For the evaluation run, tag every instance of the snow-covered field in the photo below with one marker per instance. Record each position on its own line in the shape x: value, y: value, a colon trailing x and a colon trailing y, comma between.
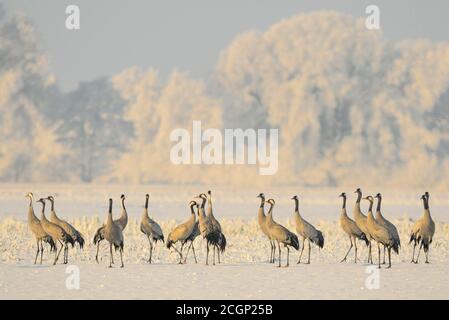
x: 244, y: 272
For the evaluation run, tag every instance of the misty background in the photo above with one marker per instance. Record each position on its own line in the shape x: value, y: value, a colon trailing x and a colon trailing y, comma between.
x: 98, y: 104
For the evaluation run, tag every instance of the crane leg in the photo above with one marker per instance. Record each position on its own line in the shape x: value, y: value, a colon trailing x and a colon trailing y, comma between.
x: 344, y: 259
x: 59, y: 252
x: 98, y: 248
x: 383, y: 262
x: 413, y: 257
x: 355, y: 249
x: 194, y: 255
x: 207, y: 254
x: 42, y: 250
x: 218, y: 255
x: 66, y: 251
x: 419, y: 251
x: 288, y: 259
x: 151, y: 249
x: 308, y: 260
x: 111, y: 259
x: 370, y: 256
x: 279, y: 248
x: 427, y: 255
x: 214, y: 255
x: 180, y: 254
x: 121, y: 258
x: 389, y: 257
x: 302, y: 249
x: 378, y: 253
x: 37, y: 252
x: 187, y: 253
x: 271, y: 252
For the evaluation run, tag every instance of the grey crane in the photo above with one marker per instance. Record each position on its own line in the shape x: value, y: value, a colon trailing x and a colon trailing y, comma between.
x: 423, y: 231
x: 121, y: 222
x: 350, y: 228
x: 36, y: 228
x: 57, y: 233
x: 381, y: 220
x: 75, y: 234
x: 207, y: 229
x: 262, y: 219
x: 182, y: 232
x: 280, y: 234
x: 114, y: 235
x: 380, y: 233
x: 220, y: 245
x: 306, y: 231
x: 361, y: 221
x: 195, y: 233
x: 150, y: 228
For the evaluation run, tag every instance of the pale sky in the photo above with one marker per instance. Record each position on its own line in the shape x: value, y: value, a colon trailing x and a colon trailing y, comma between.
x: 189, y: 35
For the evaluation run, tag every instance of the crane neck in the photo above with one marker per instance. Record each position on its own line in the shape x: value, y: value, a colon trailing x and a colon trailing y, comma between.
x: 43, y: 211
x: 344, y: 203
x: 425, y: 203
x: 296, y: 205
x: 370, y: 209
x: 203, y: 203
x: 262, y: 202
x: 124, y: 213
x: 359, y: 197
x: 31, y: 215
x: 379, y: 200
x: 146, y: 202
x: 270, y: 211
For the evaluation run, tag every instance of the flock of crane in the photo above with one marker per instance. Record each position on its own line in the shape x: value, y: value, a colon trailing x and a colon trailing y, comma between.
x: 364, y: 227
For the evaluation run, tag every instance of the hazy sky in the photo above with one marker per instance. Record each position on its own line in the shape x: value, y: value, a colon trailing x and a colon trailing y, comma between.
x: 189, y: 35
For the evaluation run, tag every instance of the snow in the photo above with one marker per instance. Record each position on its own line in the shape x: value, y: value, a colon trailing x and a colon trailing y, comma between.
x: 244, y: 273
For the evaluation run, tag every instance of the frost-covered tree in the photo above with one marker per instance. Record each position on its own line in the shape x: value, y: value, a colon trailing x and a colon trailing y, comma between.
x: 155, y: 110
x: 29, y: 149
x: 94, y: 128
x: 348, y: 103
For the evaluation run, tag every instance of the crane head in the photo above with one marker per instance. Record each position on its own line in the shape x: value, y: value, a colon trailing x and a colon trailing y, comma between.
x: 271, y: 201
x: 343, y: 195
x: 192, y: 203
x: 295, y: 197
x: 41, y: 200
x: 51, y: 198
x: 29, y: 195
x: 378, y: 196
x: 358, y: 190
x: 261, y: 195
x: 122, y: 197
